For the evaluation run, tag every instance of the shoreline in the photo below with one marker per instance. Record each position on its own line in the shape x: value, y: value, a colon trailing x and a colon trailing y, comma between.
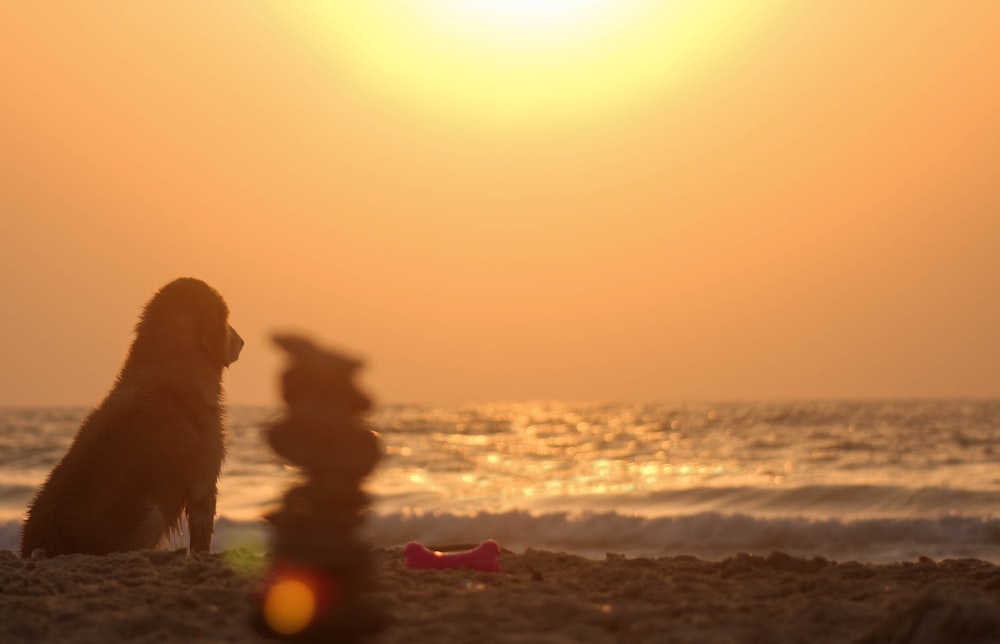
x: 541, y: 596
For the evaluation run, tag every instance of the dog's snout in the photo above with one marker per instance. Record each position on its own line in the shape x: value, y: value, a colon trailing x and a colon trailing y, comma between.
x: 235, y: 345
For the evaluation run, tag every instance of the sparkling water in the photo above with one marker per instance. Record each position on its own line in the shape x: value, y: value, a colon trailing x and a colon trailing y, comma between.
x: 847, y: 480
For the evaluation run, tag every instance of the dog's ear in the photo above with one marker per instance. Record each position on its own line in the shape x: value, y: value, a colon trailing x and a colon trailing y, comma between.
x: 213, y: 339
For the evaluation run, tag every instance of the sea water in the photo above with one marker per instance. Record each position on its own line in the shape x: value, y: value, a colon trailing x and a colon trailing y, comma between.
x: 870, y: 481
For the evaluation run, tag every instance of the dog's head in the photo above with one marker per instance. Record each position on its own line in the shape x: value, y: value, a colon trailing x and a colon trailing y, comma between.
x: 188, y: 319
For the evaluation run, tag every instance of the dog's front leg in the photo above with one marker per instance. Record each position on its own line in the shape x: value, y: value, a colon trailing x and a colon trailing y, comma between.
x: 201, y: 519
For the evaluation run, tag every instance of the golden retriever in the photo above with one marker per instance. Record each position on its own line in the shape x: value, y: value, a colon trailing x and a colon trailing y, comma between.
x: 153, y: 449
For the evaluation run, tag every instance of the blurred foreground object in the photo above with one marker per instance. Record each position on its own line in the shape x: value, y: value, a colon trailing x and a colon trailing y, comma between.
x: 319, y: 569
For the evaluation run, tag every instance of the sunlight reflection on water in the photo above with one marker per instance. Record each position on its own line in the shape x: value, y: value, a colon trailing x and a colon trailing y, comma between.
x: 520, y: 455
x: 657, y: 459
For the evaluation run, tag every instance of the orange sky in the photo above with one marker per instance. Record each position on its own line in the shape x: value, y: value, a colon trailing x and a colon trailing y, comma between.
x: 803, y: 202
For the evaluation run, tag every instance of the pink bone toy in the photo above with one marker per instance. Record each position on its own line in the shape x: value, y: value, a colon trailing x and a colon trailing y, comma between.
x: 484, y: 557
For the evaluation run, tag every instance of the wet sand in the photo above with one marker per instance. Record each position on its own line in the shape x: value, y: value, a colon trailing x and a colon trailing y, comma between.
x: 539, y: 597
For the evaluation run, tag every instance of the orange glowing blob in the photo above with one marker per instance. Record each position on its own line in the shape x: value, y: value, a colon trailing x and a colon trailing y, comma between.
x: 289, y: 606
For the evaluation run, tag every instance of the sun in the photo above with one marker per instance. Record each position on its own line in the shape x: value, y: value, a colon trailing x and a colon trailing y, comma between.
x: 529, y: 10
x: 521, y: 20
x: 529, y: 64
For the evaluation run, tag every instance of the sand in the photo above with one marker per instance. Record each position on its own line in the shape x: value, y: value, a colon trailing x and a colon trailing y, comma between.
x: 540, y: 597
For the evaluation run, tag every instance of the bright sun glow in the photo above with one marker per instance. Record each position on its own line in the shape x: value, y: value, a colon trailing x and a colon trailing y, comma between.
x: 517, y: 63
x: 524, y: 18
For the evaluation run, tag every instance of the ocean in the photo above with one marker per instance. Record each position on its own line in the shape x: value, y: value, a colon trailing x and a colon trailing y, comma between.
x: 874, y: 481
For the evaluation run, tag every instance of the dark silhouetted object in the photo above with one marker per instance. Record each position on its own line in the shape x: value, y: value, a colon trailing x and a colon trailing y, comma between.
x: 320, y: 570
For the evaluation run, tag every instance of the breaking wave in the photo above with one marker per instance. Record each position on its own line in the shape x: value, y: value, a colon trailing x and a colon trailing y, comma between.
x: 707, y: 535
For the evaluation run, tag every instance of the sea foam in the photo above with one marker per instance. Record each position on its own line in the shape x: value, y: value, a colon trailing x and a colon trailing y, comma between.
x: 710, y: 536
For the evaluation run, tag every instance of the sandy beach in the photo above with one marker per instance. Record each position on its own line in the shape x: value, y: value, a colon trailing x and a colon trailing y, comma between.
x: 540, y: 596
